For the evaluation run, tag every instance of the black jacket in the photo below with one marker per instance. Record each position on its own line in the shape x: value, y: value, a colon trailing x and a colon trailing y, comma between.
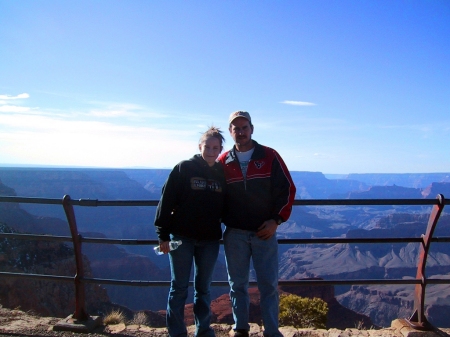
x: 192, y: 201
x: 267, y: 192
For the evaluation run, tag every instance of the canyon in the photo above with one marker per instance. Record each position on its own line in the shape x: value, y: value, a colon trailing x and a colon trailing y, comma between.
x: 376, y: 304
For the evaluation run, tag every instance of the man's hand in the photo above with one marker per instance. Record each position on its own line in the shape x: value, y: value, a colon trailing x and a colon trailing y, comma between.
x: 267, y: 229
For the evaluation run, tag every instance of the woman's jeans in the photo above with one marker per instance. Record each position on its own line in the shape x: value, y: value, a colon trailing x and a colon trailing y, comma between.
x: 241, y: 246
x: 204, y: 255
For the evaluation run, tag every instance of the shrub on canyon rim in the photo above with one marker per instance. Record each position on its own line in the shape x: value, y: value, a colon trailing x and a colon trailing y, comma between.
x: 302, y: 312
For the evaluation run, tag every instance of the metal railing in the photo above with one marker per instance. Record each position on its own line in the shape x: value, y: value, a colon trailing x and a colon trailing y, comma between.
x: 417, y: 320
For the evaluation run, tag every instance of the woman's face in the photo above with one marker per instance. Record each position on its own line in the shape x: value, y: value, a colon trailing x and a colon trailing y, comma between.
x: 210, y: 150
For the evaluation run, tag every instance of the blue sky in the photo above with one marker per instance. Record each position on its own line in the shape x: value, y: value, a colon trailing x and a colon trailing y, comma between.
x: 334, y: 86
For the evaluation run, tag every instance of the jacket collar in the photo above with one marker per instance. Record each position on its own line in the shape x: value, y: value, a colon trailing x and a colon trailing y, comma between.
x: 258, y: 153
x: 202, y: 162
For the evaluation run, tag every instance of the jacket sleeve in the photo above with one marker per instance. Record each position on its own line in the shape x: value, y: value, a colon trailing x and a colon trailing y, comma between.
x: 166, y: 206
x: 283, y: 189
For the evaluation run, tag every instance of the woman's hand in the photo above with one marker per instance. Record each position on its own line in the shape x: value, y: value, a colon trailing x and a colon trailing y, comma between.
x: 164, y: 247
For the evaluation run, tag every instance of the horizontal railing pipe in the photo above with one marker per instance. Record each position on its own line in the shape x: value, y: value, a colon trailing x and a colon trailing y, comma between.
x: 29, y: 200
x: 37, y: 276
x: 313, y: 282
x: 19, y: 236
x: 141, y: 242
x: 298, y: 202
x: 367, y: 202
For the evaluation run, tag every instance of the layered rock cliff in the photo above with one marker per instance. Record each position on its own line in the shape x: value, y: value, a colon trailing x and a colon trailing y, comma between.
x: 50, y: 298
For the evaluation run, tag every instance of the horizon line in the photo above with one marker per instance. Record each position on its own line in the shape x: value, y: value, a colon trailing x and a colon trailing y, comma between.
x: 42, y: 166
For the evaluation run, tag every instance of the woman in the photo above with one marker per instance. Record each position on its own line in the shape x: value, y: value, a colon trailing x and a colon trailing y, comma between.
x: 190, y: 210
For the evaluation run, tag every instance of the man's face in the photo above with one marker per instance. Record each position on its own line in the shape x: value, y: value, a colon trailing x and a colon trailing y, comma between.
x: 241, y: 131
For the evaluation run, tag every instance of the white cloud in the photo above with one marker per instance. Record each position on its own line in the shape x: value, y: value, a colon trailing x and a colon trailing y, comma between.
x: 5, y: 107
x: 102, y: 134
x: 13, y: 108
x: 77, y: 139
x: 121, y: 110
x: 111, y: 113
x: 6, y: 97
x: 320, y: 155
x: 96, y: 144
x: 298, y: 103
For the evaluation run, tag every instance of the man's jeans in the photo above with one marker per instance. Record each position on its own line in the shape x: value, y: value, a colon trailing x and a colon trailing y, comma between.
x: 240, y: 246
x: 204, y: 255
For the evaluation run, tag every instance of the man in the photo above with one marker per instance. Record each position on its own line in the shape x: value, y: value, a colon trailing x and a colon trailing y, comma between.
x: 259, y: 198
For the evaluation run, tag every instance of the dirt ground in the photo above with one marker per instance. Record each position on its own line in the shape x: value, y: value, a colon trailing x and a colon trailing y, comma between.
x: 18, y: 323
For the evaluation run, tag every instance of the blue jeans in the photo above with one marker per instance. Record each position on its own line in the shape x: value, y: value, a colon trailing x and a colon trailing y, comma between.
x: 241, y: 246
x: 204, y: 255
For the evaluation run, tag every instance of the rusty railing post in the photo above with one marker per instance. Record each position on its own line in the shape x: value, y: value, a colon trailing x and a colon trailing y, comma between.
x: 80, y: 297
x: 418, y: 320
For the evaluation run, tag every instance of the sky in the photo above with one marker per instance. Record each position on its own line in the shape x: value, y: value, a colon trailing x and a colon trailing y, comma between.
x: 337, y: 87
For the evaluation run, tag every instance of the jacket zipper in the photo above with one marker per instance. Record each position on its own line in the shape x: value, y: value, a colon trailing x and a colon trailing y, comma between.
x: 245, y: 177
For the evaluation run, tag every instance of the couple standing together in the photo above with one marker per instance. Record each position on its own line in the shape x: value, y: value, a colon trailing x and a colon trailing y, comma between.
x: 250, y: 190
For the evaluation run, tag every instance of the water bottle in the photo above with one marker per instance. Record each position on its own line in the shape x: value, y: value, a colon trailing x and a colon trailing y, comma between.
x: 172, y: 245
